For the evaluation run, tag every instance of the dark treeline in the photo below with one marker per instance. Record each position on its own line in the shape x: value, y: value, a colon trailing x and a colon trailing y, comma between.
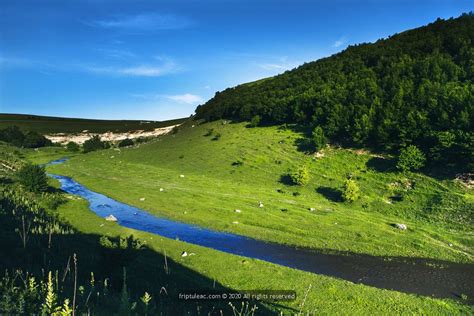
x: 412, y: 88
x: 29, y: 139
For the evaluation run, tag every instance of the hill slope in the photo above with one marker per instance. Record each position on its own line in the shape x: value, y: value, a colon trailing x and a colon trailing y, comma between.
x: 48, y: 124
x: 228, y: 167
x: 414, y: 87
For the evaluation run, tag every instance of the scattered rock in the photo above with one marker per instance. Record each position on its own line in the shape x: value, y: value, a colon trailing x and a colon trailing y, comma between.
x: 111, y: 218
x: 181, y: 175
x: 185, y: 212
x: 235, y: 222
x: 184, y: 254
x: 101, y: 225
x: 142, y: 199
x: 238, y: 211
x: 450, y: 244
x: 161, y: 189
x: 260, y: 204
x: 400, y: 226
x: 112, y: 157
x: 312, y: 209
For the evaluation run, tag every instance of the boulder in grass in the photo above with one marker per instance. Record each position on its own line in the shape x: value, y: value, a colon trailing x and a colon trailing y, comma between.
x: 260, y: 204
x: 111, y: 218
x: 161, y: 189
x: 401, y: 226
x: 238, y: 211
x: 181, y: 175
x: 142, y: 199
x: 184, y: 254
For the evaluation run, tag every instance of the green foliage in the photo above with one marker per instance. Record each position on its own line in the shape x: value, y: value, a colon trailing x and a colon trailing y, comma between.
x: 125, y: 142
x: 410, y: 158
x: 93, y: 144
x: 397, y: 91
x: 16, y: 137
x: 351, y: 191
x: 33, y: 178
x: 72, y: 147
x: 318, y: 138
x: 255, y: 121
x: 300, y: 175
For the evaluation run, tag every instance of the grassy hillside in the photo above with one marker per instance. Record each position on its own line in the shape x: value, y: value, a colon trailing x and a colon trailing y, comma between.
x: 146, y: 267
x: 415, y: 87
x: 47, y: 124
x: 227, y: 166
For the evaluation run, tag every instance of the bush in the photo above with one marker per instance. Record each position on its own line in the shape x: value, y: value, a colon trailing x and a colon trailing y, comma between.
x: 35, y: 140
x: 318, y: 138
x: 217, y: 136
x: 351, y: 191
x: 410, y: 158
x: 126, y: 142
x: 255, y: 121
x: 33, y: 178
x: 93, y: 144
x: 72, y: 146
x: 300, y: 176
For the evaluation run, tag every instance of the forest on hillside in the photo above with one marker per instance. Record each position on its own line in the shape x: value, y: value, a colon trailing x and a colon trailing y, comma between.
x: 414, y: 88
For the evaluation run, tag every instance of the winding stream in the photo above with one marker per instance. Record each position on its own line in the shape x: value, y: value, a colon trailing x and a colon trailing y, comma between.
x: 410, y: 275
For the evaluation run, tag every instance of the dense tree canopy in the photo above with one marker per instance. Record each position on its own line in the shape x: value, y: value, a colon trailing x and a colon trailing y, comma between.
x: 412, y: 88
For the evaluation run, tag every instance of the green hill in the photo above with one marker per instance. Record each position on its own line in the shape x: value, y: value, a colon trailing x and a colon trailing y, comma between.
x: 48, y: 124
x: 228, y: 166
x: 415, y: 87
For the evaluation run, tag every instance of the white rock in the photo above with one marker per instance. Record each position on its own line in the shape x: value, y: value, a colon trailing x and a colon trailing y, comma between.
x: 260, y: 204
x: 111, y: 218
x: 312, y: 209
x: 161, y: 189
x: 112, y: 157
x: 184, y: 254
x: 181, y: 175
x: 401, y: 226
x: 235, y: 222
x: 238, y: 211
x: 142, y: 199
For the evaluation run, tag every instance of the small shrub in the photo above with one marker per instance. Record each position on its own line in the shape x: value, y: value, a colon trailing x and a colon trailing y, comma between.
x: 300, y: 176
x: 72, y: 147
x: 217, y: 136
x: 318, y: 138
x: 126, y: 142
x: 93, y: 144
x: 52, y: 201
x: 351, y: 191
x: 410, y: 158
x: 255, y: 121
x: 33, y: 178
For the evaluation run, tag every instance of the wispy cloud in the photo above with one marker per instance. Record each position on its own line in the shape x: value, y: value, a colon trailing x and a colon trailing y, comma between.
x: 281, y: 64
x: 186, y: 98
x: 160, y: 67
x: 338, y: 43
x: 143, y: 22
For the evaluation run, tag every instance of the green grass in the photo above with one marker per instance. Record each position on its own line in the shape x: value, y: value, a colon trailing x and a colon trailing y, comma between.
x: 247, y: 165
x: 47, y: 124
x: 325, y: 296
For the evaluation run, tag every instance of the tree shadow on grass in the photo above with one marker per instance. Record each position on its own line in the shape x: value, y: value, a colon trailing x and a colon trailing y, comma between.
x: 381, y: 164
x: 286, y: 180
x: 330, y: 193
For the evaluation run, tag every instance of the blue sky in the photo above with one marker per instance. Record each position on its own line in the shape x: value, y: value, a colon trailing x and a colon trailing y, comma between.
x: 118, y: 59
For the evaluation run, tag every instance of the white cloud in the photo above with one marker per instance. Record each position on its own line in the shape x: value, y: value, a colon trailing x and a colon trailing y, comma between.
x: 281, y: 64
x: 163, y: 67
x: 339, y: 42
x: 186, y: 98
x: 143, y: 22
